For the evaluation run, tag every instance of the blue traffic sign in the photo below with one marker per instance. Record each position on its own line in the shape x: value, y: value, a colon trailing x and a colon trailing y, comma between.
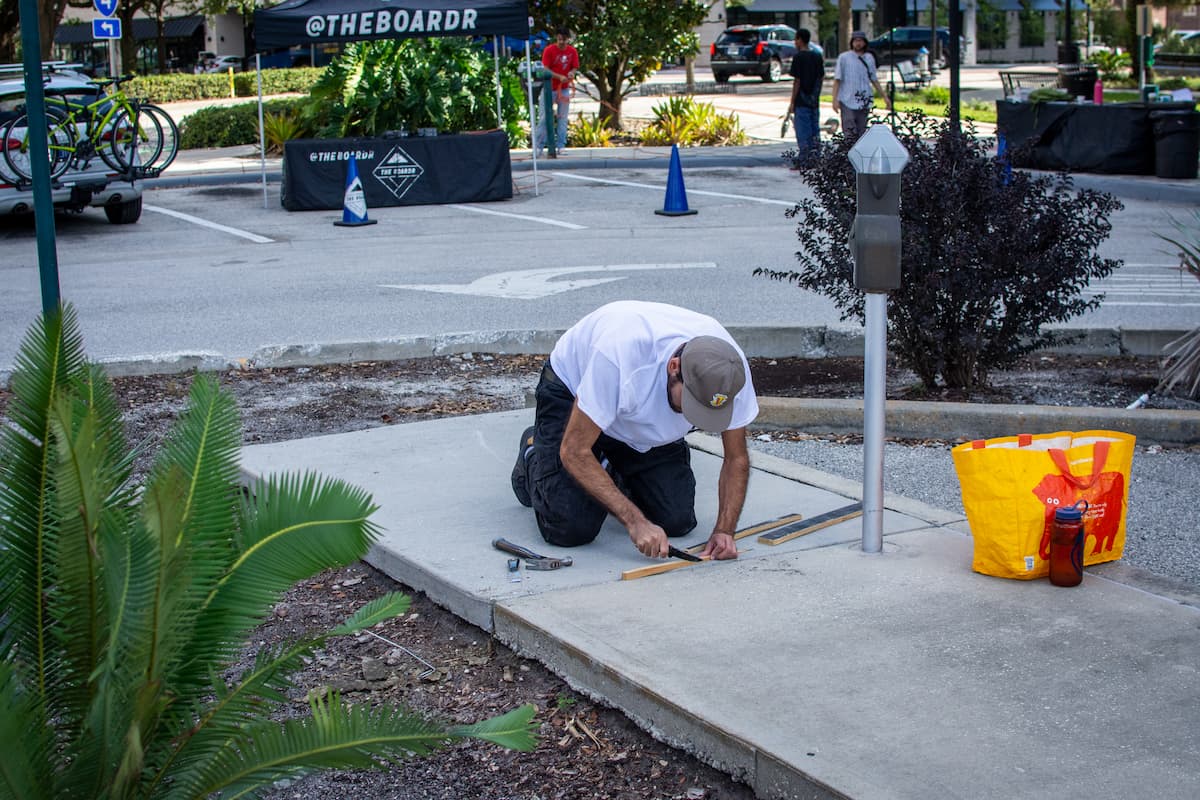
x: 106, y: 28
x: 106, y: 7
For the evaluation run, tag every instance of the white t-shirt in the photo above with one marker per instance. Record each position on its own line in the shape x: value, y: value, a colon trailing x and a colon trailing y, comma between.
x: 614, y: 361
x: 855, y: 73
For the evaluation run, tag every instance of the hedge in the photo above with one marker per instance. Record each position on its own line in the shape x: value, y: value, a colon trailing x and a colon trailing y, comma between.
x: 179, y: 86
x: 226, y: 126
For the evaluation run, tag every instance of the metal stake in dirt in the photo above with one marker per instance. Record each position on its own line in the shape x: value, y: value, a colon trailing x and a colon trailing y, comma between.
x: 878, y: 158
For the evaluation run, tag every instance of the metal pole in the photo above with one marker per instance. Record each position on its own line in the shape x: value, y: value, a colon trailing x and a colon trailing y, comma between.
x: 262, y: 136
x: 496, y: 62
x: 39, y: 155
x: 532, y: 118
x: 874, y: 397
x: 954, y: 61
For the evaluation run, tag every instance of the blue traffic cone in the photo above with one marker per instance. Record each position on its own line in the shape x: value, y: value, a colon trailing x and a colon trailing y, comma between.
x: 675, y: 204
x: 354, y: 205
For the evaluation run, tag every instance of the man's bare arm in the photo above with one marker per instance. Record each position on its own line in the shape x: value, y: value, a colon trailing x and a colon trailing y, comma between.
x: 577, y: 458
x: 731, y: 494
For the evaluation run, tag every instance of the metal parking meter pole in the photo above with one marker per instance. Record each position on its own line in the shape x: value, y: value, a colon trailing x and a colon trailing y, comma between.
x: 878, y: 158
x: 529, y: 93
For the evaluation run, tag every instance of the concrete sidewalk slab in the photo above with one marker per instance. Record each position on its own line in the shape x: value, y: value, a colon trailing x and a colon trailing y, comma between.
x: 901, y: 675
x: 443, y: 492
x: 809, y: 669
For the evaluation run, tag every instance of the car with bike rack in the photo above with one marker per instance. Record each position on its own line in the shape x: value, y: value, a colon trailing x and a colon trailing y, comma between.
x: 100, y: 143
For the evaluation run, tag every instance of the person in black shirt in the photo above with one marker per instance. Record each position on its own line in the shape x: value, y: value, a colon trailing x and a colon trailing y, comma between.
x: 808, y: 72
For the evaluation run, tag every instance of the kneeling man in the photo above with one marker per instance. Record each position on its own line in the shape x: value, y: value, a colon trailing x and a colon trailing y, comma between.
x: 621, y: 389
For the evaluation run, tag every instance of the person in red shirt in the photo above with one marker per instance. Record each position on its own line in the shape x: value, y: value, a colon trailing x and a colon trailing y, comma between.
x: 562, y: 60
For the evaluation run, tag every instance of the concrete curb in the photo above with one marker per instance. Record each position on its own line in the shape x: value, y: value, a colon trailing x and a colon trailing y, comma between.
x: 915, y: 420
x: 758, y: 341
x: 1132, y: 187
x: 905, y: 419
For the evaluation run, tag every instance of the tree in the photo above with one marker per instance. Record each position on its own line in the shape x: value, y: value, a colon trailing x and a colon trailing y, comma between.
x: 10, y: 27
x: 989, y: 256
x: 125, y: 607
x: 622, y: 43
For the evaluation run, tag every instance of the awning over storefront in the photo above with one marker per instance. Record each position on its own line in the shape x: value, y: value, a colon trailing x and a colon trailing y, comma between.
x: 143, y: 30
x: 781, y: 6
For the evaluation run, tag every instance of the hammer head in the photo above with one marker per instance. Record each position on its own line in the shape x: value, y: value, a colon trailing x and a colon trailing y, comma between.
x: 547, y: 563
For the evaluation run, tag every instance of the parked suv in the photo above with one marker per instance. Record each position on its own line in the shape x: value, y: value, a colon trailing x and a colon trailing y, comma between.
x: 95, y: 184
x: 763, y: 50
x: 908, y: 40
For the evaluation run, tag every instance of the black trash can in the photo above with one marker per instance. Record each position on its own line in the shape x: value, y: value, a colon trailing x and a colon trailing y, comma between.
x: 1078, y: 79
x: 1176, y: 143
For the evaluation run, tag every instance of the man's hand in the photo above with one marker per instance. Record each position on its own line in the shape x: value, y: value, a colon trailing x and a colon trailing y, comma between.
x: 720, y: 546
x: 649, y: 539
x: 837, y: 107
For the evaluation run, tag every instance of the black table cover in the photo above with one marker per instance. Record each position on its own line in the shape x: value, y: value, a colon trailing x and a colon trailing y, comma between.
x: 1114, y: 138
x: 415, y: 170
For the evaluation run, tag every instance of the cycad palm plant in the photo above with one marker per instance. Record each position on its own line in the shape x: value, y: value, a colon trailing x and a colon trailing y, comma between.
x: 1181, y: 367
x: 122, y: 608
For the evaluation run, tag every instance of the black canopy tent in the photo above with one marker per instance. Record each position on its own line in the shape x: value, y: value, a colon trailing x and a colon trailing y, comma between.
x: 295, y: 22
x: 303, y: 22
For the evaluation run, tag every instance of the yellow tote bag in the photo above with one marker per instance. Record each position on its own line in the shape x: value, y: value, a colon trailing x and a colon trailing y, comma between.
x: 1012, y: 485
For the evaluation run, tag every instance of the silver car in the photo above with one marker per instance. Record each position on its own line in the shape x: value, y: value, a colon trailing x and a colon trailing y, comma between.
x: 95, y: 185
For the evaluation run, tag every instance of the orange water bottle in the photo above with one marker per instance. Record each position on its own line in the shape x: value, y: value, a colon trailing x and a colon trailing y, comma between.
x: 1066, y: 545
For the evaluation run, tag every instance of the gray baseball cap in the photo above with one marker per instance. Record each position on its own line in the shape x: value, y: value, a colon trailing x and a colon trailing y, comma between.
x: 713, y: 373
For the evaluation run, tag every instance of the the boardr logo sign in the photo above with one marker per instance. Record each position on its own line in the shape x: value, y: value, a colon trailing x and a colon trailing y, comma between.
x: 398, y: 172
x: 369, y: 23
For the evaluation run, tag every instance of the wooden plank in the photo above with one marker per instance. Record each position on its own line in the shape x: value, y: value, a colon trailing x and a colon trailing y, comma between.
x: 798, y: 529
x: 667, y: 566
x: 655, y: 569
x: 760, y: 527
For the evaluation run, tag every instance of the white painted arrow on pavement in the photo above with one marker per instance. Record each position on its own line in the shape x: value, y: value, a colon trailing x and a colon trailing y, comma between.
x: 530, y: 284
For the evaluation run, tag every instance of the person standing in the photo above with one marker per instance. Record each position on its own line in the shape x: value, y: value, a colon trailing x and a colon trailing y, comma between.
x: 620, y: 390
x: 808, y: 73
x: 854, y: 77
x: 562, y: 60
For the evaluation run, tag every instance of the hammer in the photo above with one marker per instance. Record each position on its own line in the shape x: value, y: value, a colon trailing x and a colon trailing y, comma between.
x: 532, y: 559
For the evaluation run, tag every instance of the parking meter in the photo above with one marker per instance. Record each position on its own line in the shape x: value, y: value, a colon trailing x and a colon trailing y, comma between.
x: 878, y: 158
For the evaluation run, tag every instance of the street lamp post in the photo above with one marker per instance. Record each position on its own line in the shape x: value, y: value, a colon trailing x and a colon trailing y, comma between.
x: 878, y: 159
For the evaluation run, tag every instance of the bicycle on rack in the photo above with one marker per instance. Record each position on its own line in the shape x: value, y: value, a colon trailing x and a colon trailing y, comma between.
x: 137, y: 139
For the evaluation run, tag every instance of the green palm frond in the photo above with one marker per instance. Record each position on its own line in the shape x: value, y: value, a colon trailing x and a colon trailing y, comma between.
x: 190, y: 508
x: 335, y: 736
x: 513, y: 730
x: 291, y: 528
x: 203, y: 447
x: 1181, y: 366
x: 386, y: 607
x: 25, y: 765
x: 266, y: 683
x: 50, y: 358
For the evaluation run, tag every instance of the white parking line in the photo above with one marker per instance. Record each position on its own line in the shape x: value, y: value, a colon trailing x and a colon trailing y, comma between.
x: 254, y: 237
x: 787, y: 203
x: 543, y: 220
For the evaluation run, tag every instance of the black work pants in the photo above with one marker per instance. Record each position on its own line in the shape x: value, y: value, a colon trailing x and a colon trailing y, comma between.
x: 659, y: 482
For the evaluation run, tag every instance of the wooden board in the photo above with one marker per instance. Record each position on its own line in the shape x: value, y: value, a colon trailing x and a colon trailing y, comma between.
x: 798, y: 529
x: 761, y: 527
x: 667, y: 566
x: 656, y: 569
